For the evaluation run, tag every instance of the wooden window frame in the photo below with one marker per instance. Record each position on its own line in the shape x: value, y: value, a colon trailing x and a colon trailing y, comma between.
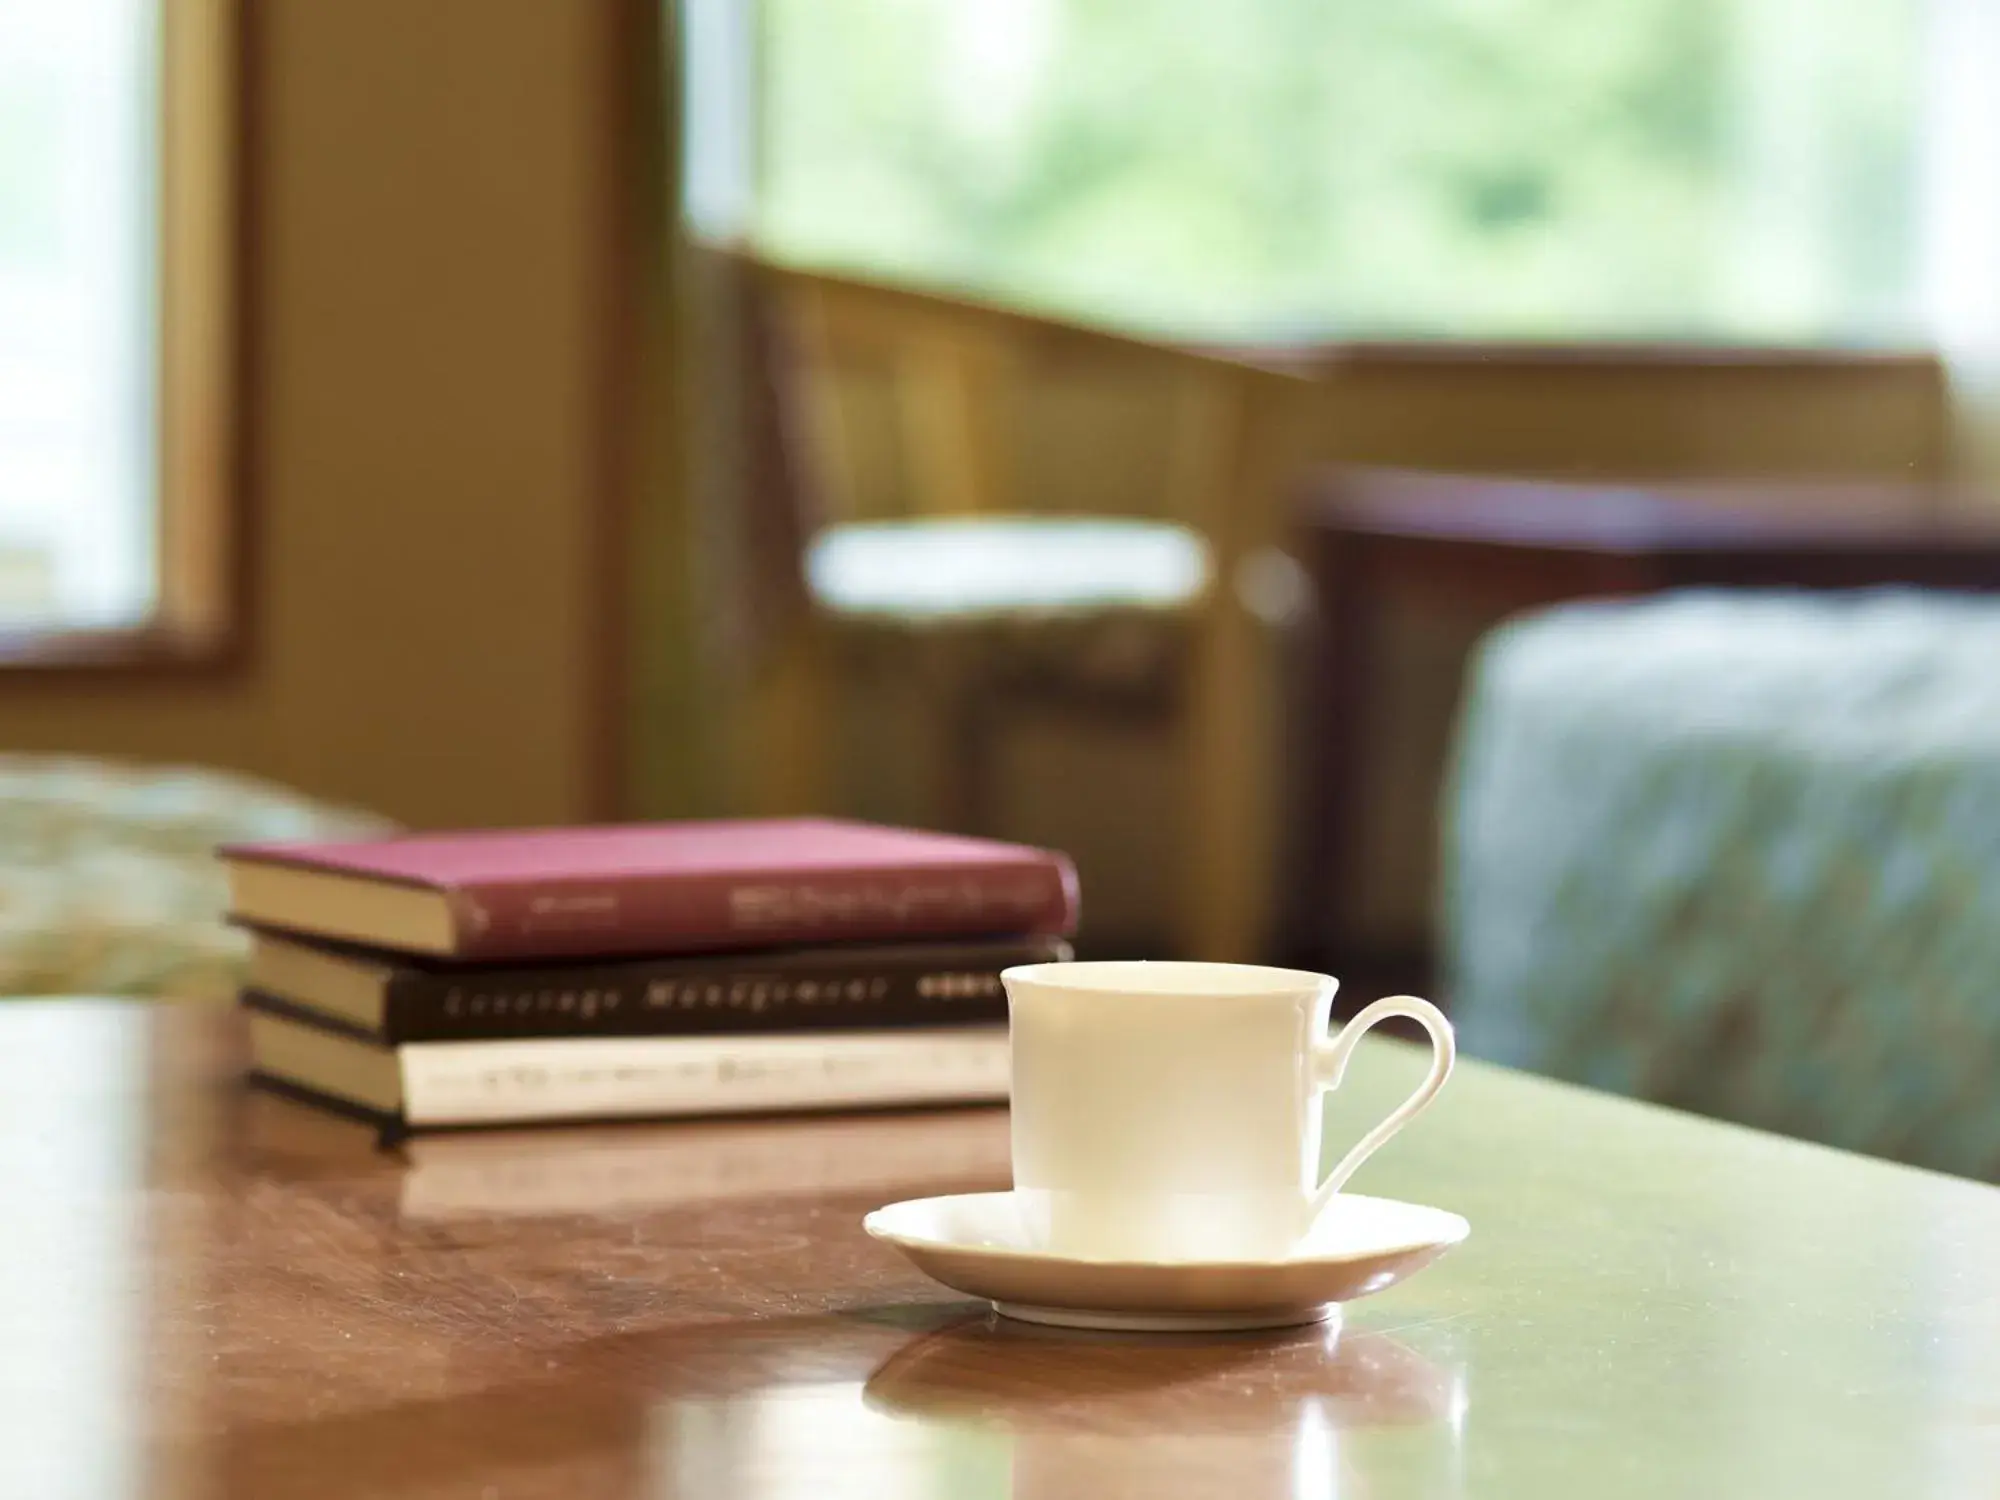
x: 202, y: 459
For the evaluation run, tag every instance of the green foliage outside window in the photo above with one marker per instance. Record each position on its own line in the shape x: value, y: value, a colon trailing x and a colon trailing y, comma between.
x: 1575, y: 169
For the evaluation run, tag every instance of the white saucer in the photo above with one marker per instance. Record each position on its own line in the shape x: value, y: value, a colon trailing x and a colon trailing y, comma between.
x: 980, y: 1244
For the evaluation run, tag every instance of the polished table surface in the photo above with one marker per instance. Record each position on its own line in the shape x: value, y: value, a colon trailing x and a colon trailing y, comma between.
x: 209, y: 1292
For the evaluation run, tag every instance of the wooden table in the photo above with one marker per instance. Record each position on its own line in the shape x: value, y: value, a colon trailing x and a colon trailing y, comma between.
x: 209, y: 1293
x: 1372, y: 538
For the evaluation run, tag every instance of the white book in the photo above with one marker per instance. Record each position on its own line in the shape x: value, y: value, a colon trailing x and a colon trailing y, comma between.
x: 581, y: 1078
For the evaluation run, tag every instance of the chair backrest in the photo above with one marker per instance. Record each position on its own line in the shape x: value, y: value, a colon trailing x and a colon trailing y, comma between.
x: 901, y: 402
x: 969, y: 404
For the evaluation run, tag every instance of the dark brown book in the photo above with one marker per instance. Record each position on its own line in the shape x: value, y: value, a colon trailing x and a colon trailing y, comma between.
x: 652, y: 888
x: 395, y: 999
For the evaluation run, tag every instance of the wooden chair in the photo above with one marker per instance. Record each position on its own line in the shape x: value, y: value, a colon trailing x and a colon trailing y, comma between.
x: 1164, y: 614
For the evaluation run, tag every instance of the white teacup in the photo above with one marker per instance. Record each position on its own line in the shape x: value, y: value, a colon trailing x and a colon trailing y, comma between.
x: 1171, y: 1111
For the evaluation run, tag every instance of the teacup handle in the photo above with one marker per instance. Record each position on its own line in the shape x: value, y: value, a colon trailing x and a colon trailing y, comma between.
x: 1330, y: 1062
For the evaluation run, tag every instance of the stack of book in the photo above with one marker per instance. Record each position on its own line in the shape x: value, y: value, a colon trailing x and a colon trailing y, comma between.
x: 517, y: 977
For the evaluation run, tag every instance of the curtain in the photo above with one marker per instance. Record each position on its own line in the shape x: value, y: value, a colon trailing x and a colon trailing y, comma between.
x: 1961, y: 234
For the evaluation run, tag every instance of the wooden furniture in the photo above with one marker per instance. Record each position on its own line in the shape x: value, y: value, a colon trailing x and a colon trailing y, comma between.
x: 905, y: 422
x: 1375, y: 537
x: 204, y: 1292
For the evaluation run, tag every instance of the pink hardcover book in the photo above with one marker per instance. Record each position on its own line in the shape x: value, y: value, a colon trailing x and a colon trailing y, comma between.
x: 652, y: 888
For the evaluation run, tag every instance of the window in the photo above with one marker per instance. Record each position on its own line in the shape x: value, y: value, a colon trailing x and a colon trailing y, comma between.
x: 1711, y: 170
x: 112, y: 134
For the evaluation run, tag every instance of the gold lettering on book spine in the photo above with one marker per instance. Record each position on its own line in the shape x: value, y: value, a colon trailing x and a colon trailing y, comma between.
x: 904, y: 903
